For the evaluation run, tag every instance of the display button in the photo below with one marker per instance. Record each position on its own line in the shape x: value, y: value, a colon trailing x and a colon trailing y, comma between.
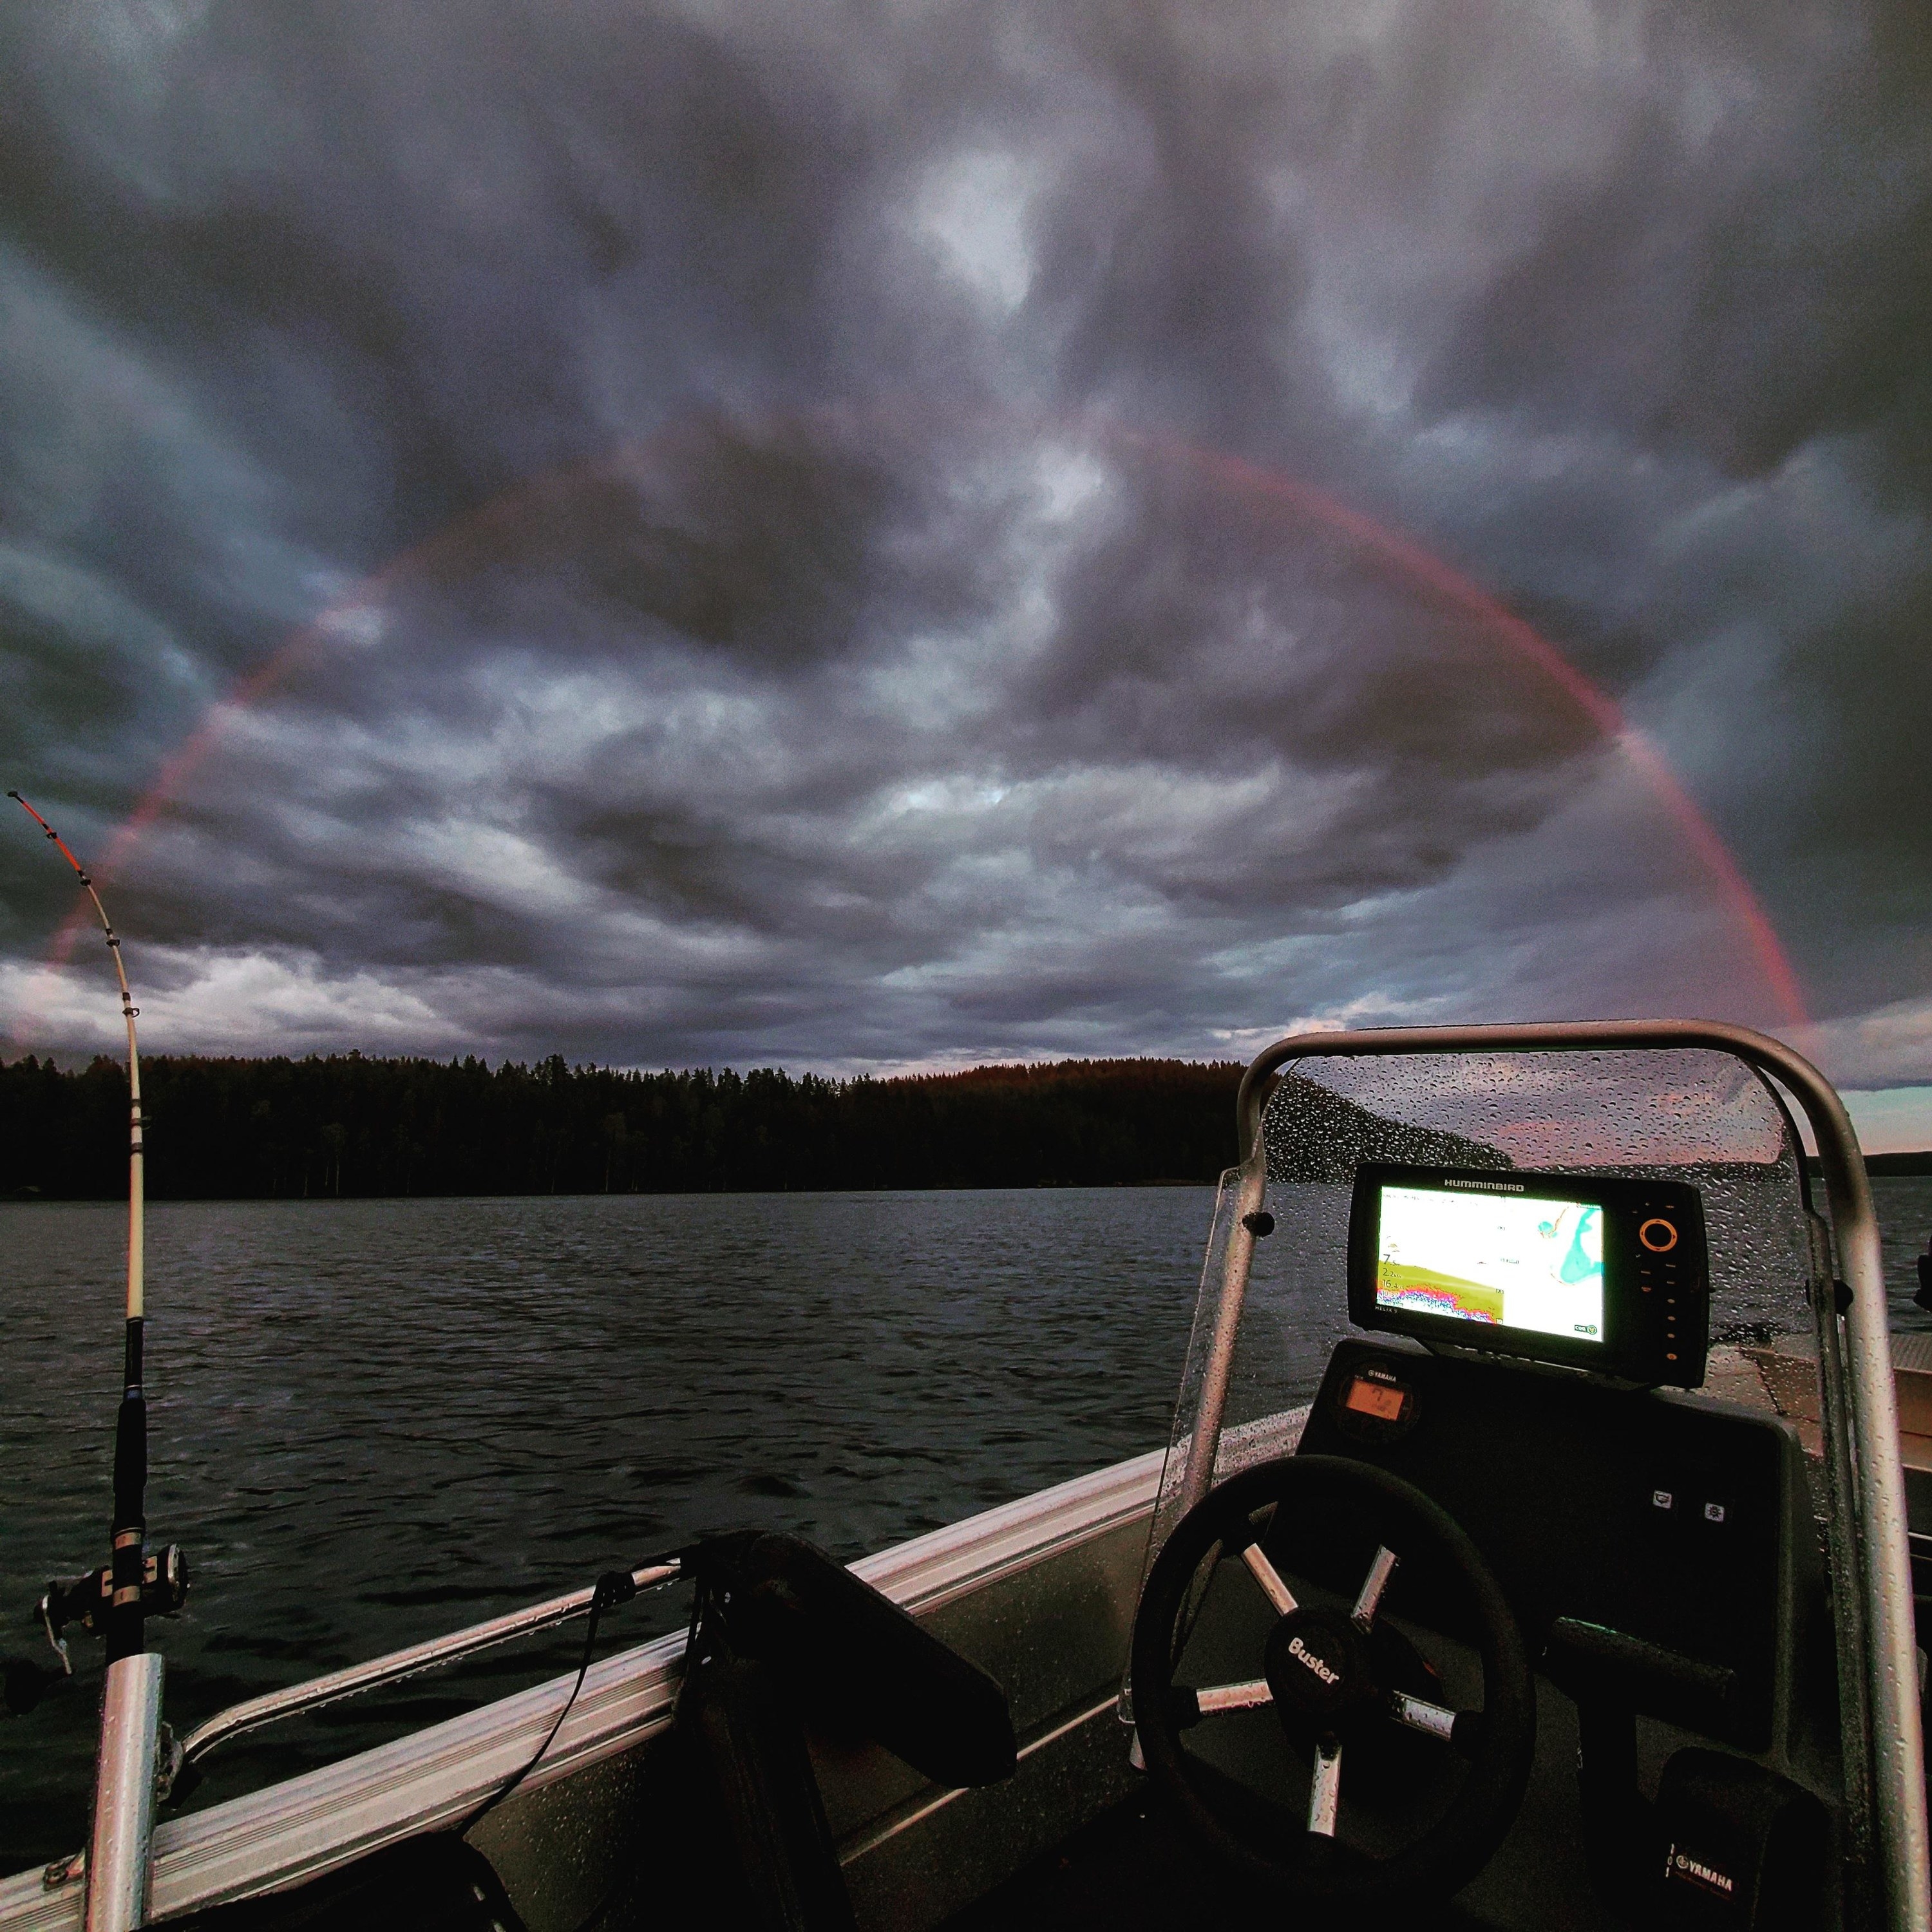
x: 1714, y: 1512
x: 1658, y: 1235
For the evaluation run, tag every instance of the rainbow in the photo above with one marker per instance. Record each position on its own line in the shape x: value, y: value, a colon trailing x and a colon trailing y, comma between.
x: 1270, y: 491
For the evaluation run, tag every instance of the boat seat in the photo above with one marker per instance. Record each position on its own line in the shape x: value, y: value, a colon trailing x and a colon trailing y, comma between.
x: 782, y: 1634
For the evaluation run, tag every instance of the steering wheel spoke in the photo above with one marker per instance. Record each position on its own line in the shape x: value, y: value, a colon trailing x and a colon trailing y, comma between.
x: 1461, y: 1729
x: 1269, y: 1578
x: 1324, y: 1794
x: 1244, y: 1697
x: 1188, y: 1707
x: 1375, y: 1585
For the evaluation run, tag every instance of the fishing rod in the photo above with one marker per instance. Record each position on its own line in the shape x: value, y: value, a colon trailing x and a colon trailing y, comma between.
x: 116, y: 1600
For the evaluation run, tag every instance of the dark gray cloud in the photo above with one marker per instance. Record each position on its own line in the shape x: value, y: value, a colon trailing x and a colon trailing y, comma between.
x: 748, y: 491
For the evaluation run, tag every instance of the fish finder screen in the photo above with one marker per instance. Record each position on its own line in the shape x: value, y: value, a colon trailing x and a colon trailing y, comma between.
x: 1514, y: 1261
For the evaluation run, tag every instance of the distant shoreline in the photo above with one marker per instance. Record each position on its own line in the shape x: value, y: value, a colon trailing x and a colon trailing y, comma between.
x: 1888, y: 1166
x: 30, y: 1198
x: 33, y: 1200
x: 348, y: 1126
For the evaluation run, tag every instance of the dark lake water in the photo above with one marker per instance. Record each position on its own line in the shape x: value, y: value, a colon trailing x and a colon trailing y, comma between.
x: 374, y: 1421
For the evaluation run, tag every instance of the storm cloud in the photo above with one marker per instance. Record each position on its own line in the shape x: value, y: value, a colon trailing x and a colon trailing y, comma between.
x: 889, y: 536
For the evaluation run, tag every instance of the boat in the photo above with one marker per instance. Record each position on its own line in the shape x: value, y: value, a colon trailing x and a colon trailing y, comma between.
x: 1551, y: 1607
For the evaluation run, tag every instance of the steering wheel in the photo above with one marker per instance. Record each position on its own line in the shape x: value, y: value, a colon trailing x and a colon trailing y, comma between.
x: 1340, y: 1682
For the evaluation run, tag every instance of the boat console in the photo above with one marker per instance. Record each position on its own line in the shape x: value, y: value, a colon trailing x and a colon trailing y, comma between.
x: 1668, y: 1544
x: 1653, y: 1556
x: 1523, y: 1616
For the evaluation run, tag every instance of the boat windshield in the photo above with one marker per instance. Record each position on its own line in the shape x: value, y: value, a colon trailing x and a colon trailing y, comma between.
x: 1699, y: 1118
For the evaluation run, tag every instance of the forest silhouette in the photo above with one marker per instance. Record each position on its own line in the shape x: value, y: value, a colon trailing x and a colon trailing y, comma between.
x: 349, y: 1125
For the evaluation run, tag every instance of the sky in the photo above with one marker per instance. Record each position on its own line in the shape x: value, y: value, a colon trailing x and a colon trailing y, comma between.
x: 902, y: 535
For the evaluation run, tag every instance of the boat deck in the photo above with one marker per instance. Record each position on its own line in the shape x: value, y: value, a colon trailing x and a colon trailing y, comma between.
x: 1133, y: 1867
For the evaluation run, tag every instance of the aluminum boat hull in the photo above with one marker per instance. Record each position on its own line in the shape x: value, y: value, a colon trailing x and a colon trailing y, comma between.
x: 1040, y: 1592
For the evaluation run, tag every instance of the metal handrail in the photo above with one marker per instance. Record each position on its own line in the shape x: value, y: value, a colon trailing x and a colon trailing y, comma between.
x: 1884, y: 1578
x: 296, y: 1698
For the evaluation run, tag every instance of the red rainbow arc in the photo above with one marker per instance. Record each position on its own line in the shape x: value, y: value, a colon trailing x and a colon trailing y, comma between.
x: 1270, y: 489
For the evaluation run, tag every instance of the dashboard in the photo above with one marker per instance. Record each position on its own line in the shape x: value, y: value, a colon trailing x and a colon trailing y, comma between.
x: 1664, y: 1543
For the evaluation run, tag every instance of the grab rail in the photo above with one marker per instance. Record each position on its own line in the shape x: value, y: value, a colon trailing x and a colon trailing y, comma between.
x: 296, y: 1698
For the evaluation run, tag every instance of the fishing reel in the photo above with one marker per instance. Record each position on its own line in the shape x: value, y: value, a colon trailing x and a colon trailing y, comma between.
x: 86, y: 1601
x: 84, y: 1604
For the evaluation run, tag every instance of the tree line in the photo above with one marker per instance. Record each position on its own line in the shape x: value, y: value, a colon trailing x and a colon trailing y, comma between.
x: 351, y: 1125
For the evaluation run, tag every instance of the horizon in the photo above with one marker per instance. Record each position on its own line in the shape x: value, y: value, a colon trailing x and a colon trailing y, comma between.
x: 1885, y: 1121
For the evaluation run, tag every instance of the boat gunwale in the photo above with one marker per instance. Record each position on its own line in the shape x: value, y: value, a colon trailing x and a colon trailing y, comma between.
x: 344, y: 1810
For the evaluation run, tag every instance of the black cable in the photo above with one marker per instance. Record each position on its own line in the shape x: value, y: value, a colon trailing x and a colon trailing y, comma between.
x: 626, y: 1872
x: 614, y: 1587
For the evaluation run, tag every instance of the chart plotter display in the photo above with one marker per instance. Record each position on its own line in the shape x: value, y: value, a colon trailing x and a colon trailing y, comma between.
x: 1481, y: 1256
x: 1596, y: 1273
